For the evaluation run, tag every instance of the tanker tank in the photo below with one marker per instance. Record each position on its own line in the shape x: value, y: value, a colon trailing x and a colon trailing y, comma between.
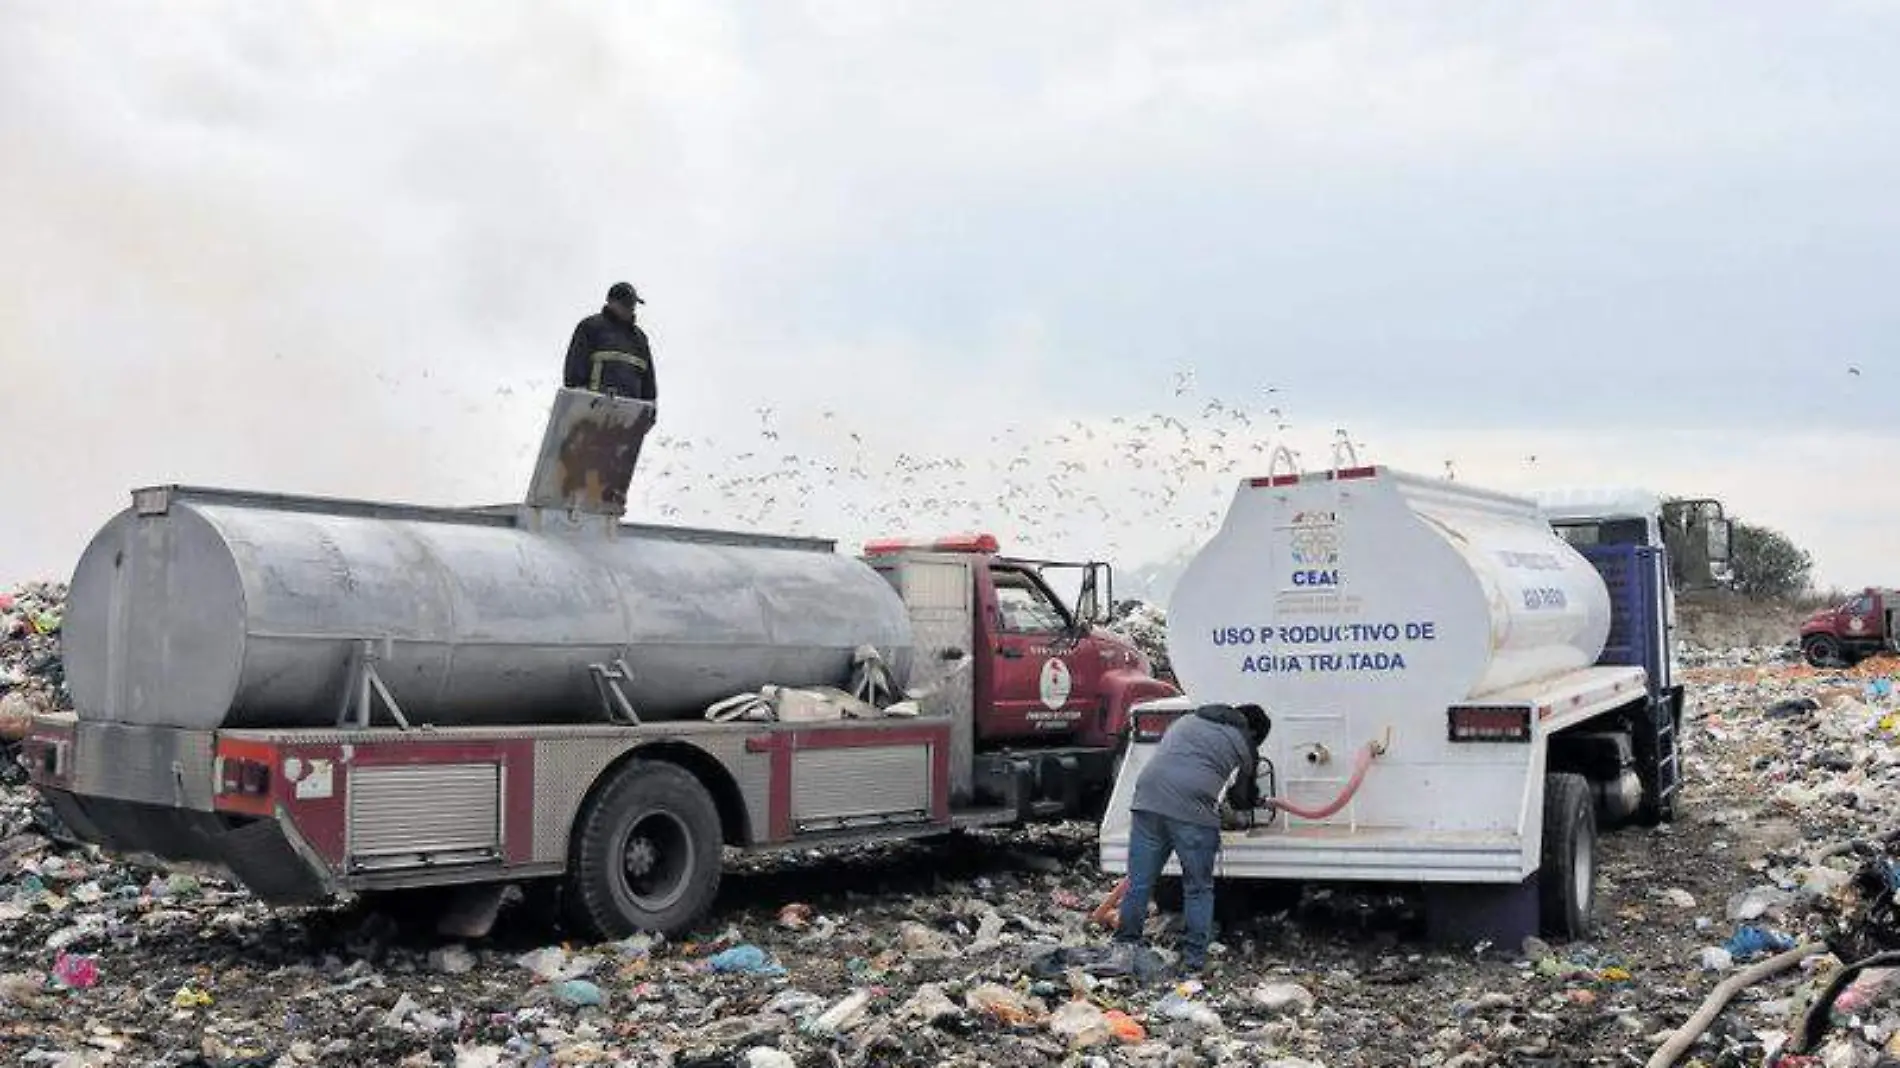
x: 1358, y: 592
x: 215, y: 609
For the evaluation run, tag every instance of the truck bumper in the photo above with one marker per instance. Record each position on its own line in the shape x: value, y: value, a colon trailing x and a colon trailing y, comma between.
x: 255, y: 851
x: 1371, y: 854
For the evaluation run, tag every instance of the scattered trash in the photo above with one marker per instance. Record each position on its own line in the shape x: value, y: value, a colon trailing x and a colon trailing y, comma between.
x: 553, y: 964
x: 1177, y: 1006
x: 744, y: 959
x: 578, y: 992
x: 1081, y: 1024
x: 1750, y: 942
x: 1758, y: 902
x: 1023, y: 978
x: 843, y: 1016
x: 1679, y: 898
x: 1124, y: 1027
x: 1284, y: 999
x: 1004, y: 1005
x: 795, y: 1003
x: 452, y: 960
x: 76, y: 971
x: 1716, y: 959
x: 923, y: 942
x: 400, y: 1012
x: 1871, y: 989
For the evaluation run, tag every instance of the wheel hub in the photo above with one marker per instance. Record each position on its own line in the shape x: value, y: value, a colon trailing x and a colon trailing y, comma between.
x: 641, y: 856
x: 657, y: 859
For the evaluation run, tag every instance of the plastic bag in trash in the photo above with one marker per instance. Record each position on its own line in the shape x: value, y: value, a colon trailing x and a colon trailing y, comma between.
x: 76, y: 971
x: 1177, y: 1007
x: 745, y: 960
x: 1751, y: 941
x: 1004, y: 1005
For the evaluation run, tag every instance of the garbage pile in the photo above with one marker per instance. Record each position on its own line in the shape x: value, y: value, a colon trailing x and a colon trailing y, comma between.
x: 32, y: 677
x: 979, y: 950
x: 1146, y: 627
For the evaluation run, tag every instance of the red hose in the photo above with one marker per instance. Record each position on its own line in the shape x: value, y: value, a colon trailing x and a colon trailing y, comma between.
x: 1345, y: 796
x: 1105, y: 913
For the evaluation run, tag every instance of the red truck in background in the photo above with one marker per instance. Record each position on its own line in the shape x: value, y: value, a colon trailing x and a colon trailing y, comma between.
x: 1864, y: 625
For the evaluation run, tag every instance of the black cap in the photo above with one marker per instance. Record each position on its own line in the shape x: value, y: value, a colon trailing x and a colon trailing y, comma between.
x: 625, y: 293
x: 1258, y: 723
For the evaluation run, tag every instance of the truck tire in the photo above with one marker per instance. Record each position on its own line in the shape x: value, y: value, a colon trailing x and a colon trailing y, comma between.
x: 645, y: 854
x: 1822, y: 650
x: 1567, y: 878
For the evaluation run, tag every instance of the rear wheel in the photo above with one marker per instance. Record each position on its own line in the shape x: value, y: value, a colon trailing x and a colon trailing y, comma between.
x: 645, y: 854
x: 1822, y: 650
x: 1566, y: 881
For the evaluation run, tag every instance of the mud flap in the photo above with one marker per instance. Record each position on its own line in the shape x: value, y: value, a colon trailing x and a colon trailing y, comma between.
x: 1463, y: 913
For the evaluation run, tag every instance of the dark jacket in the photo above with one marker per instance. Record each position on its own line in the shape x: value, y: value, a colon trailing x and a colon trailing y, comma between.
x: 1184, y: 778
x: 609, y: 356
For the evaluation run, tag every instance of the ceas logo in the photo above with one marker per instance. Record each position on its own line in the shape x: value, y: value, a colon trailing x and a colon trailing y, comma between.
x: 1314, y: 541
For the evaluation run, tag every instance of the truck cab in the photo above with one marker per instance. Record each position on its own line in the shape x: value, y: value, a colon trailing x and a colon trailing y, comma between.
x: 1861, y: 626
x: 1039, y: 691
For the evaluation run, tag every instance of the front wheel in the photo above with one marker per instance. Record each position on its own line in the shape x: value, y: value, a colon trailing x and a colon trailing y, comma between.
x: 645, y: 854
x: 1567, y: 879
x: 1822, y: 650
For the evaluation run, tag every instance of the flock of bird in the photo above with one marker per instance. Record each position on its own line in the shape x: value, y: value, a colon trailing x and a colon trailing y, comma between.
x: 1152, y: 482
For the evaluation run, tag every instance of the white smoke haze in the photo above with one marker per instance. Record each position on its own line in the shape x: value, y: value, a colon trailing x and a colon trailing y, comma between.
x: 335, y: 249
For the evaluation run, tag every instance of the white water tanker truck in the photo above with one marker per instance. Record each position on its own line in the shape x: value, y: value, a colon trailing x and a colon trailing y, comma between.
x: 327, y: 696
x: 1461, y: 693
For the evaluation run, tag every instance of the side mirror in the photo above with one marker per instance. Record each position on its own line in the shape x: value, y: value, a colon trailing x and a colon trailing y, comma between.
x: 1090, y: 605
x: 1696, y: 536
x: 1721, y: 539
x: 1086, y: 600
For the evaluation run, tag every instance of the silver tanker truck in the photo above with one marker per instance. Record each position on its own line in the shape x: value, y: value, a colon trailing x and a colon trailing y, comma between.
x: 328, y: 696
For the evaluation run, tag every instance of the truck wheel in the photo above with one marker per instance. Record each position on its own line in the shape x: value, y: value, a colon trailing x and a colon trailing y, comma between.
x: 1822, y: 650
x: 1567, y: 879
x: 645, y: 854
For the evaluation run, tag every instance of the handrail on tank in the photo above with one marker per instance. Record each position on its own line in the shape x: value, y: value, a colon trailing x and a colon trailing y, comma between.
x: 1344, y: 445
x: 1281, y: 452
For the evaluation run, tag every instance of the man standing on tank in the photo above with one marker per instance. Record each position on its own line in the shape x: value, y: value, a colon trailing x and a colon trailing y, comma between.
x: 1176, y: 809
x: 609, y: 352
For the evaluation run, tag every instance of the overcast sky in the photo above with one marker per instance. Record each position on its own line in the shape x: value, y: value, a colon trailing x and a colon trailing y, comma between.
x: 339, y: 249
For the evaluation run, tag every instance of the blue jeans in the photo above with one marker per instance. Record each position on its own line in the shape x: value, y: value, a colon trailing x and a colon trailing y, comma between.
x: 1150, y: 839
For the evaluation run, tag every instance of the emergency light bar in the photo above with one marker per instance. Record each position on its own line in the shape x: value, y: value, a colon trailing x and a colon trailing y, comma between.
x: 953, y: 543
x: 1489, y: 723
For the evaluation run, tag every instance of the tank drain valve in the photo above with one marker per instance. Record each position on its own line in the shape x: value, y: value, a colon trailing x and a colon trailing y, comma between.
x: 1317, y: 754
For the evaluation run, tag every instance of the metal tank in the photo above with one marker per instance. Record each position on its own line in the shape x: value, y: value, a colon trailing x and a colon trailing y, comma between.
x: 1351, y: 590
x: 208, y: 609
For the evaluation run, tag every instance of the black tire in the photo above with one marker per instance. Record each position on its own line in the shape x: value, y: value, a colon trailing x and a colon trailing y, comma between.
x: 645, y: 854
x: 1567, y: 878
x: 1822, y: 650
